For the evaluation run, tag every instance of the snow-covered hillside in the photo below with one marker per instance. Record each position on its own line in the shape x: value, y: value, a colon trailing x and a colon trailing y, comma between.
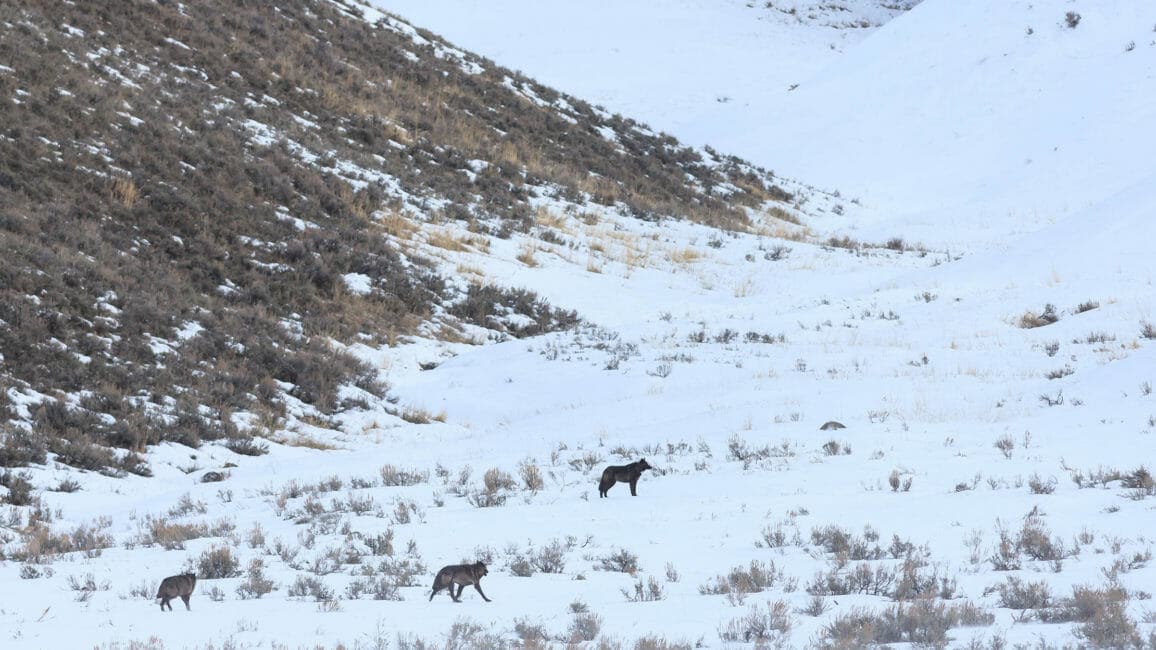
x: 994, y: 114
x: 990, y: 356
x: 979, y: 112
x: 685, y: 67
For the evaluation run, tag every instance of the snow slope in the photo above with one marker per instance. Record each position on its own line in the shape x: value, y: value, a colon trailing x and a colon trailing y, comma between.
x: 683, y: 66
x: 994, y: 114
x: 997, y: 110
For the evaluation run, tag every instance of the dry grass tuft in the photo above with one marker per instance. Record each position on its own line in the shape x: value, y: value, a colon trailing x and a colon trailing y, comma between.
x: 1030, y: 319
x: 782, y: 215
x: 418, y: 415
x: 298, y: 439
x: 526, y: 255
x: 125, y: 191
x: 445, y: 240
x: 684, y: 256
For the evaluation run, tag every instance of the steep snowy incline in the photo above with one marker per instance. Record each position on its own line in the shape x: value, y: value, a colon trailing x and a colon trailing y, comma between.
x: 989, y: 110
x: 682, y: 66
x: 995, y: 117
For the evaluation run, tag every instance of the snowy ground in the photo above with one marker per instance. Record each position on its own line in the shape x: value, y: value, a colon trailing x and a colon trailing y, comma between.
x: 922, y: 359
x: 718, y: 363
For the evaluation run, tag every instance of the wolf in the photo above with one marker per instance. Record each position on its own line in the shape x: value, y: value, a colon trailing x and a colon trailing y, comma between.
x: 460, y: 575
x: 624, y: 473
x: 174, y: 586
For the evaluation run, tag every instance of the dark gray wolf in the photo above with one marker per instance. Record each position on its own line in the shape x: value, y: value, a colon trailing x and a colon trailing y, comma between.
x: 174, y: 586
x: 622, y: 473
x: 460, y: 575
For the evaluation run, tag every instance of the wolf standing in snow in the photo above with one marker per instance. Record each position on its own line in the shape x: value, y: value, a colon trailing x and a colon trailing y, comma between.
x: 174, y: 586
x: 460, y: 575
x: 622, y: 473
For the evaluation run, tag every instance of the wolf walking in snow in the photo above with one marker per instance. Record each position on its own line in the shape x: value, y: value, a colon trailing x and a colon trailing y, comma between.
x: 460, y: 575
x: 174, y: 586
x: 622, y: 473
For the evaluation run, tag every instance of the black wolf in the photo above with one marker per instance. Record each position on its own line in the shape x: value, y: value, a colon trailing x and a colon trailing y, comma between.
x: 174, y: 586
x: 625, y: 474
x: 460, y: 575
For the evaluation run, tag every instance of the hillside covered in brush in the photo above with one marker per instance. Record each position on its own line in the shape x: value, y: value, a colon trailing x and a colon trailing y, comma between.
x: 197, y: 199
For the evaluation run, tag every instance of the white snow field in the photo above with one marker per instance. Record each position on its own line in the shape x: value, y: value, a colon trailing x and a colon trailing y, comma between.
x: 977, y: 452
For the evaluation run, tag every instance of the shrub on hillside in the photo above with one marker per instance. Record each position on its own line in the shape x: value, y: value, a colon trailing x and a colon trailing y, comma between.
x: 923, y: 623
x: 40, y: 544
x: 255, y: 584
x: 584, y: 627
x: 497, y: 486
x: 496, y: 308
x: 19, y: 447
x: 1016, y: 593
x: 842, y: 542
x: 641, y: 592
x: 744, y: 580
x: 217, y: 562
x: 758, y: 625
x: 19, y: 488
x: 531, y: 476
x: 246, y: 446
x: 1031, y: 319
x: 171, y: 536
x: 1087, y: 305
x: 310, y: 587
x: 1147, y: 330
x: 620, y: 560
x: 391, y: 476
